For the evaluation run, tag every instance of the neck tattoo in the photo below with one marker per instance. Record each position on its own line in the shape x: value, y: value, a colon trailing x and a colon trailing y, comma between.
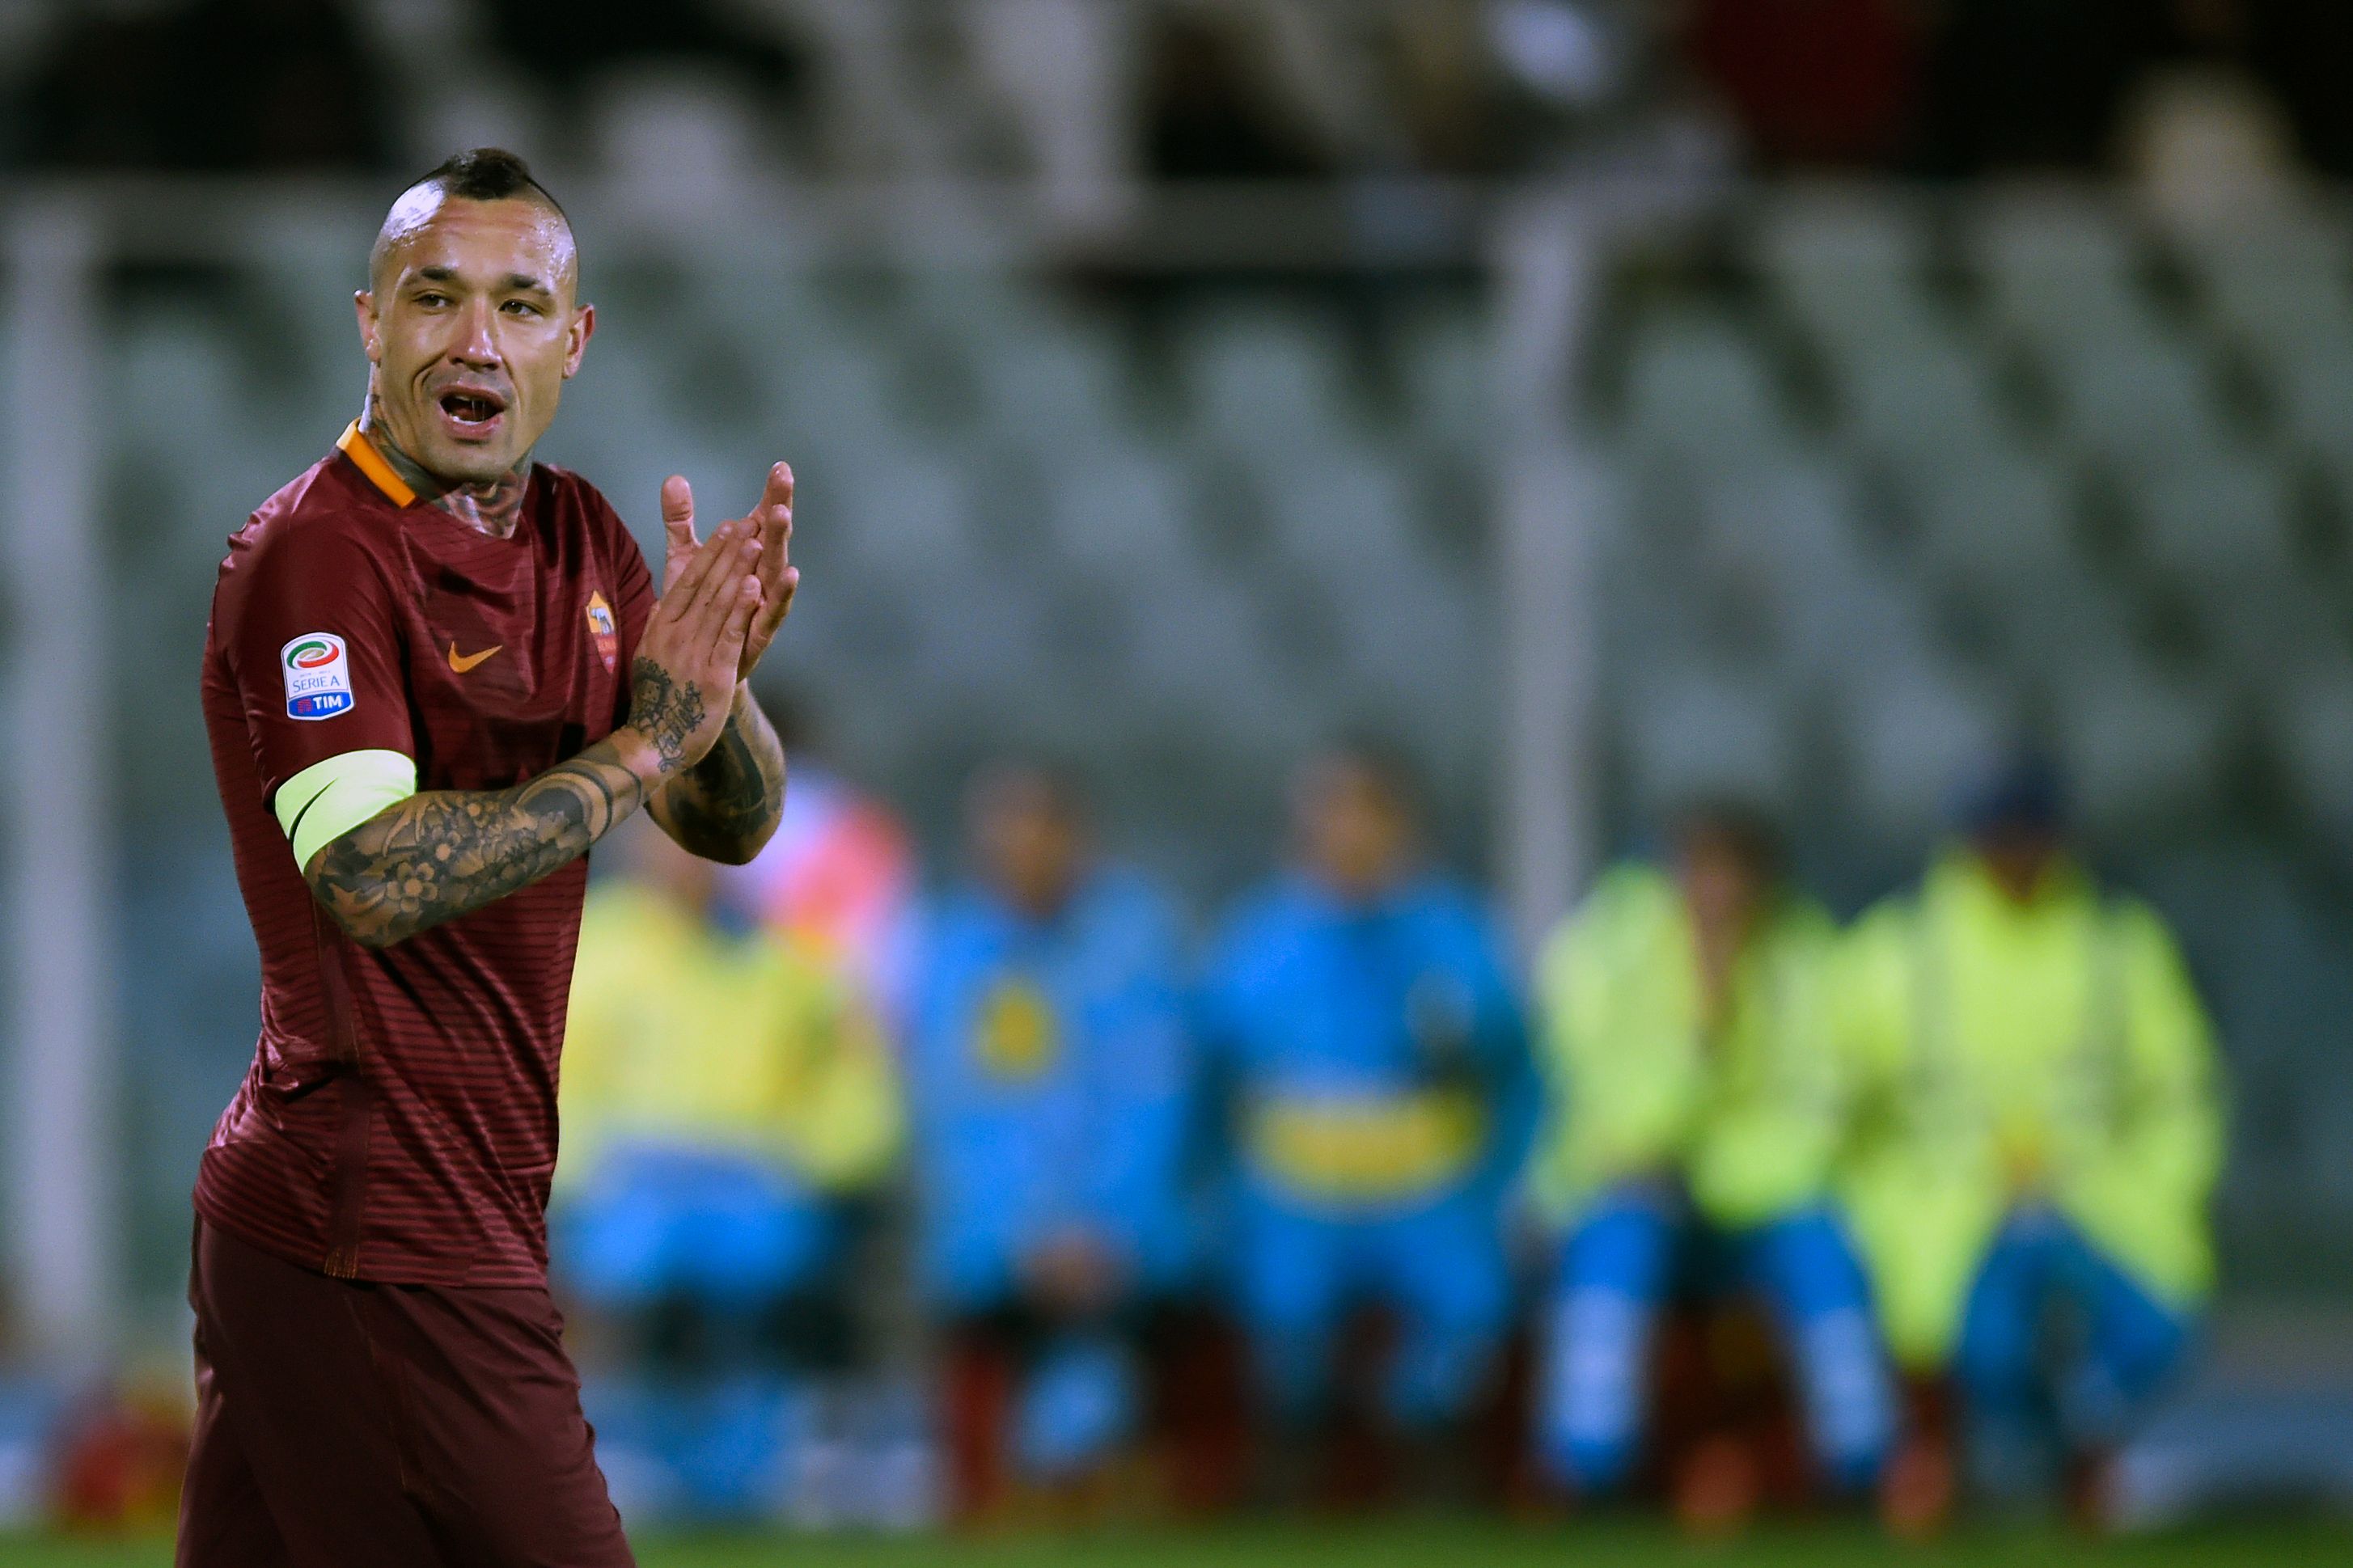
x: 490, y: 505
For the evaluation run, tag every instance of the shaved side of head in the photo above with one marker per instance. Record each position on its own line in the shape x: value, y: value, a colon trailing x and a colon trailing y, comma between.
x: 483, y: 175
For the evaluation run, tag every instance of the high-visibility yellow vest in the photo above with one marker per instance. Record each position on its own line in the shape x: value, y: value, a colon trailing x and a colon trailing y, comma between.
x: 682, y: 1034
x: 1749, y: 1114
x: 2053, y: 1052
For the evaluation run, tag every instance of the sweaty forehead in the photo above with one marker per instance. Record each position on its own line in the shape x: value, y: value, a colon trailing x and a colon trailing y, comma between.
x: 512, y: 237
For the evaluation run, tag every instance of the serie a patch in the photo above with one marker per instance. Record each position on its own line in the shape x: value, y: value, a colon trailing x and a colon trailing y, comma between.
x: 318, y: 676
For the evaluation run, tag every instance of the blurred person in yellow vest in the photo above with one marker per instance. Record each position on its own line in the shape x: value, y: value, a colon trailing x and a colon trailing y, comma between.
x: 729, y: 1110
x: 693, y: 1029
x: 1696, y: 1103
x: 2045, y: 1130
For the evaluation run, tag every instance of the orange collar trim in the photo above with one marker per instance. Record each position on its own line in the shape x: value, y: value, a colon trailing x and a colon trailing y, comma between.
x: 353, y: 444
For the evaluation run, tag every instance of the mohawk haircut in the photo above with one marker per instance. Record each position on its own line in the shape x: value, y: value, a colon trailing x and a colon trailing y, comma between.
x: 488, y: 174
x: 477, y: 174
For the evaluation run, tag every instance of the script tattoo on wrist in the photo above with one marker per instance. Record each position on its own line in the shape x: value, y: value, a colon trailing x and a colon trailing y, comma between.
x: 664, y: 710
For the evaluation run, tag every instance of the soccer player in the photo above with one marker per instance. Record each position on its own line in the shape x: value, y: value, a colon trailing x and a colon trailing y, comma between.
x: 436, y: 673
x: 1362, y: 1012
x: 1699, y: 1101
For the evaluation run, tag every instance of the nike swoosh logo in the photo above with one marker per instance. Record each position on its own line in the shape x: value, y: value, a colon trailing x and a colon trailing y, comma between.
x: 461, y: 664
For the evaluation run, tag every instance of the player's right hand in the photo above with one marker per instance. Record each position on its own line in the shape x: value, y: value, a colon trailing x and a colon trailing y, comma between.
x: 771, y: 522
x: 682, y: 679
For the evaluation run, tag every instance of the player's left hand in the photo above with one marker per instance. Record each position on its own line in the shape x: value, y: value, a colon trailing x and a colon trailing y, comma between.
x: 779, y: 578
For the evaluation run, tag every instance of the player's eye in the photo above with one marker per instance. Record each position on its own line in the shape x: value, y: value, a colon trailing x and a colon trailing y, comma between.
x: 521, y: 308
x: 430, y: 297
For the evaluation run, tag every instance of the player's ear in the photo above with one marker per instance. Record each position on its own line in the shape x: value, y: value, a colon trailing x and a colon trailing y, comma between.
x: 575, y: 339
x: 364, y: 303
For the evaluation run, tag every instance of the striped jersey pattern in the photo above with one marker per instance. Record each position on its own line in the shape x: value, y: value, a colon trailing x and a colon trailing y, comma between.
x: 399, y: 1120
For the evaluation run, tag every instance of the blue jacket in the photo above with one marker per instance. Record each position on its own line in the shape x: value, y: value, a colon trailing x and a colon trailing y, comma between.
x: 1376, y: 1052
x: 1050, y: 1076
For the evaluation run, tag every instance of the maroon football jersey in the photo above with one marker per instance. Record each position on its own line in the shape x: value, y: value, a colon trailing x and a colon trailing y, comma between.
x: 398, y: 1121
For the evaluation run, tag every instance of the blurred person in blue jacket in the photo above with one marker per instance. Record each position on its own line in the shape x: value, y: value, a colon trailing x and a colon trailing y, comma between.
x: 1366, y: 1031
x: 1052, y: 1076
x: 1699, y: 1102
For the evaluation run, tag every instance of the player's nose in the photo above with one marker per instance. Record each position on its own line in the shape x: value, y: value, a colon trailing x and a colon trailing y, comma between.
x: 477, y: 342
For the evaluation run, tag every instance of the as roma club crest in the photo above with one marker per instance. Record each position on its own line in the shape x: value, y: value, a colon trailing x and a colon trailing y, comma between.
x: 601, y: 627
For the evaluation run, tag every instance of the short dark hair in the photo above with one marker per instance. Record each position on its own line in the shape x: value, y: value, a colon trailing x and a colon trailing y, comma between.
x: 1383, y: 761
x: 2019, y: 790
x: 1053, y: 781
x: 1741, y: 824
x: 488, y: 174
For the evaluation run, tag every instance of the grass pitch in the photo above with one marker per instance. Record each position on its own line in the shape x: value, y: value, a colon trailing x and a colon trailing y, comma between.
x: 1408, y: 1544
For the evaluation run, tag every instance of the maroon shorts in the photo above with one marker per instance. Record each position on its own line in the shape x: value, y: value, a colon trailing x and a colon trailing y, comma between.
x: 347, y: 1424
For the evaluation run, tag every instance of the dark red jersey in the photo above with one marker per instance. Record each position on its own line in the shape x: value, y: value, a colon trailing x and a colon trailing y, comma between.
x: 398, y: 1121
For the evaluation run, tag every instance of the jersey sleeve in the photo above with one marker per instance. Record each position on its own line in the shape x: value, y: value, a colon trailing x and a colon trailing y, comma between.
x: 316, y: 650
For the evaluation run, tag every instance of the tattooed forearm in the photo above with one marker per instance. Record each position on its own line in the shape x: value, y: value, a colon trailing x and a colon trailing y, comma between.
x: 436, y: 856
x: 726, y: 806
x: 439, y: 855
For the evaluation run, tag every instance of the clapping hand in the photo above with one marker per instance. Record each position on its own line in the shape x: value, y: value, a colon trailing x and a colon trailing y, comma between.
x: 683, y: 676
x: 771, y: 523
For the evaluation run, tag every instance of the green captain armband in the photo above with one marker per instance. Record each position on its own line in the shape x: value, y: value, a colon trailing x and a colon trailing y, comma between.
x: 327, y: 800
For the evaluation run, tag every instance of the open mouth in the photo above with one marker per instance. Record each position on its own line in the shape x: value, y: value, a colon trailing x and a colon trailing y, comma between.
x: 472, y: 410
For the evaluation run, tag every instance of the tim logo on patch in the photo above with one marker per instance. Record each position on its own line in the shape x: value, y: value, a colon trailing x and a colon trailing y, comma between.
x: 318, y: 676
